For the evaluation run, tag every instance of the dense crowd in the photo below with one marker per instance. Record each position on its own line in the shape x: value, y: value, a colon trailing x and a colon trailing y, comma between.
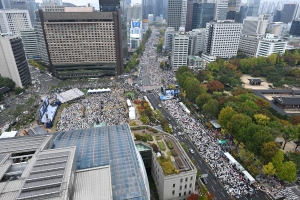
x: 94, y: 109
x: 207, y: 144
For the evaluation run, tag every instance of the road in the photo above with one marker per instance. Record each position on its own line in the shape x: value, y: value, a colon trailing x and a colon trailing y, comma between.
x: 213, y: 186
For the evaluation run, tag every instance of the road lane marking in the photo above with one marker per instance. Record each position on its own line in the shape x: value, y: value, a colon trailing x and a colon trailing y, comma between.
x: 222, y: 194
x: 213, y: 188
x: 214, y: 182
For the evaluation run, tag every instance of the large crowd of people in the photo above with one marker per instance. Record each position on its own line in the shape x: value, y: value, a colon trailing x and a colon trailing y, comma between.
x: 94, y: 109
x: 207, y: 144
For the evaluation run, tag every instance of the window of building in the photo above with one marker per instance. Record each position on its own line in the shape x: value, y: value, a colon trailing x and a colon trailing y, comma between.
x: 180, y: 180
x: 180, y: 194
x: 191, y: 178
x: 180, y: 188
x: 173, y: 192
x: 185, y: 186
x: 184, y: 193
x: 186, y: 179
x: 174, y: 185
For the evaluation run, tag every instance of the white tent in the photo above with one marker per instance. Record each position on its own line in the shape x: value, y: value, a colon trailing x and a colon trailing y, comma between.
x: 132, y: 113
x: 8, y: 134
x: 249, y: 177
x: 231, y: 159
x: 128, y: 103
x: 99, y: 90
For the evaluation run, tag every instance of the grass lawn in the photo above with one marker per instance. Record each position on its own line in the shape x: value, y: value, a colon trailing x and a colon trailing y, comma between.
x: 161, y: 145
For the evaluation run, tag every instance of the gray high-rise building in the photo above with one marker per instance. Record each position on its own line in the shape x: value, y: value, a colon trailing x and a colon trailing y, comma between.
x: 289, y: 12
x: 4, y: 4
x: 189, y: 15
x: 221, y: 9
x: 147, y: 7
x: 202, y: 14
x: 29, y: 5
x: 253, y: 6
x: 177, y: 13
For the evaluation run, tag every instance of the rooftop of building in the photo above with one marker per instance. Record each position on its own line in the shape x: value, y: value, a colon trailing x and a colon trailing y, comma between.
x: 41, y: 166
x: 289, y: 101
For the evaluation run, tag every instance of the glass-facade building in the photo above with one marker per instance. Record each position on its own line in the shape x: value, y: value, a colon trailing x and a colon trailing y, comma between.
x: 202, y: 14
x: 253, y: 6
x: 295, y: 28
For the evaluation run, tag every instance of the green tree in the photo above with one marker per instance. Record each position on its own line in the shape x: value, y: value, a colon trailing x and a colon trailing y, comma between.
x: 4, y: 81
x: 211, y: 107
x: 237, y: 122
x: 245, y: 155
x: 287, y: 171
x: 269, y: 169
x: 202, y: 99
x: 127, y: 70
x: 278, y: 159
x: 289, y: 133
x: 225, y: 116
x: 261, y: 119
x: 258, y: 139
x: 268, y: 151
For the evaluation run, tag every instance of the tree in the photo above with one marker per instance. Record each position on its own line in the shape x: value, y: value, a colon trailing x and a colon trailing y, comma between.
x: 4, y: 81
x: 237, y: 122
x: 202, y: 99
x: 287, y: 171
x: 127, y: 70
x: 261, y: 119
x: 289, y: 133
x: 295, y: 119
x: 268, y: 151
x: 278, y: 159
x: 258, y: 139
x: 245, y: 155
x: 193, y: 197
x: 225, y: 116
x: 172, y: 86
x: 211, y: 107
x: 215, y: 86
x: 262, y: 104
x: 269, y: 169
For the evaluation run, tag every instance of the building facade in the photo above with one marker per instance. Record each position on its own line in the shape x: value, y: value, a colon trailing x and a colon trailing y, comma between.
x: 41, y: 44
x: 295, y: 28
x: 222, y: 38
x: 248, y: 44
x: 177, y: 13
x: 221, y: 9
x: 189, y: 15
x: 169, y: 35
x: 253, y: 6
x: 12, y: 21
x: 13, y: 60
x: 180, y: 47
x: 29, y: 39
x: 77, y: 48
x: 270, y: 45
x: 202, y: 14
x: 255, y: 25
x: 29, y: 5
x: 136, y: 34
x: 289, y: 12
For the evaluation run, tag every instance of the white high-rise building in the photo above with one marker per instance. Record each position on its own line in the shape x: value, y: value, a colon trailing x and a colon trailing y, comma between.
x: 29, y: 38
x: 169, y: 34
x: 255, y: 25
x: 221, y: 9
x: 270, y: 45
x: 12, y: 21
x: 13, y: 60
x: 222, y: 38
x: 180, y: 50
x: 136, y: 34
x: 177, y: 13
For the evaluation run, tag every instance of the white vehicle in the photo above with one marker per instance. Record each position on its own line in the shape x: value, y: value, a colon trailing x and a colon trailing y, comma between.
x: 191, y: 151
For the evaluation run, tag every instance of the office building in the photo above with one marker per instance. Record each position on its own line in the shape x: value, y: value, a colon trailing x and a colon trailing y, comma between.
x: 77, y: 164
x: 180, y: 47
x: 12, y: 21
x: 199, y: 41
x: 150, y: 19
x: 177, y: 13
x: 277, y: 28
x: 147, y: 8
x: 29, y: 5
x: 248, y: 44
x: 277, y: 16
x: 202, y: 13
x: 134, y: 12
x: 136, y: 34
x: 189, y: 15
x: 52, y: 2
x: 255, y: 25
x: 295, y: 28
x: 13, y: 61
x: 279, y: 5
x: 253, y: 6
x: 222, y: 38
x: 270, y: 45
x: 289, y: 12
x: 169, y: 35
x: 53, y: 8
x: 221, y: 9
x: 145, y: 25
x: 83, y: 49
x: 29, y: 39
x: 233, y: 8
x: 41, y: 44
x: 207, y: 58
x: 4, y: 4
x: 241, y: 15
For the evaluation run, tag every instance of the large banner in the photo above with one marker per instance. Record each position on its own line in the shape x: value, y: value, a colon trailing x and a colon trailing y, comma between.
x: 43, y: 109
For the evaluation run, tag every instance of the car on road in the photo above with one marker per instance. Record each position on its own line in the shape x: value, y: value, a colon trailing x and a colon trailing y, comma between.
x: 168, y: 118
x: 191, y: 151
x: 204, y: 180
x: 159, y: 105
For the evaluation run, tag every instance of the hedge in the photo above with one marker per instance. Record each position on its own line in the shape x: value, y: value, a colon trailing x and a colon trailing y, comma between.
x: 170, y: 145
x: 161, y: 145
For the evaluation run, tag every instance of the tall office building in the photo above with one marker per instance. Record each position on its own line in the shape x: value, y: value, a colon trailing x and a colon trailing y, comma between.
x: 233, y: 8
x: 180, y: 47
x: 29, y: 39
x: 177, y: 13
x: 270, y: 45
x: 169, y: 34
x: 221, y: 9
x: 53, y: 8
x: 52, y: 2
x: 147, y: 7
x: 222, y: 38
x: 13, y: 60
x: 279, y: 5
x: 80, y: 48
x: 25, y: 5
x: 202, y: 14
x: 197, y: 45
x: 277, y: 16
x: 255, y: 25
x: 253, y: 6
x: 12, y: 21
x: 240, y: 16
x: 289, y: 12
x: 189, y: 15
x: 295, y: 28
x: 134, y: 12
x: 4, y: 4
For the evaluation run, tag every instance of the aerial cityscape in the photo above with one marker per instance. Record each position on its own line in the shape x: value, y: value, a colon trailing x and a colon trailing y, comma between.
x: 149, y: 100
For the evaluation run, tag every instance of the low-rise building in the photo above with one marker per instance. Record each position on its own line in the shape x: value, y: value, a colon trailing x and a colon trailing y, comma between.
x: 196, y: 62
x: 207, y: 58
x: 270, y: 45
